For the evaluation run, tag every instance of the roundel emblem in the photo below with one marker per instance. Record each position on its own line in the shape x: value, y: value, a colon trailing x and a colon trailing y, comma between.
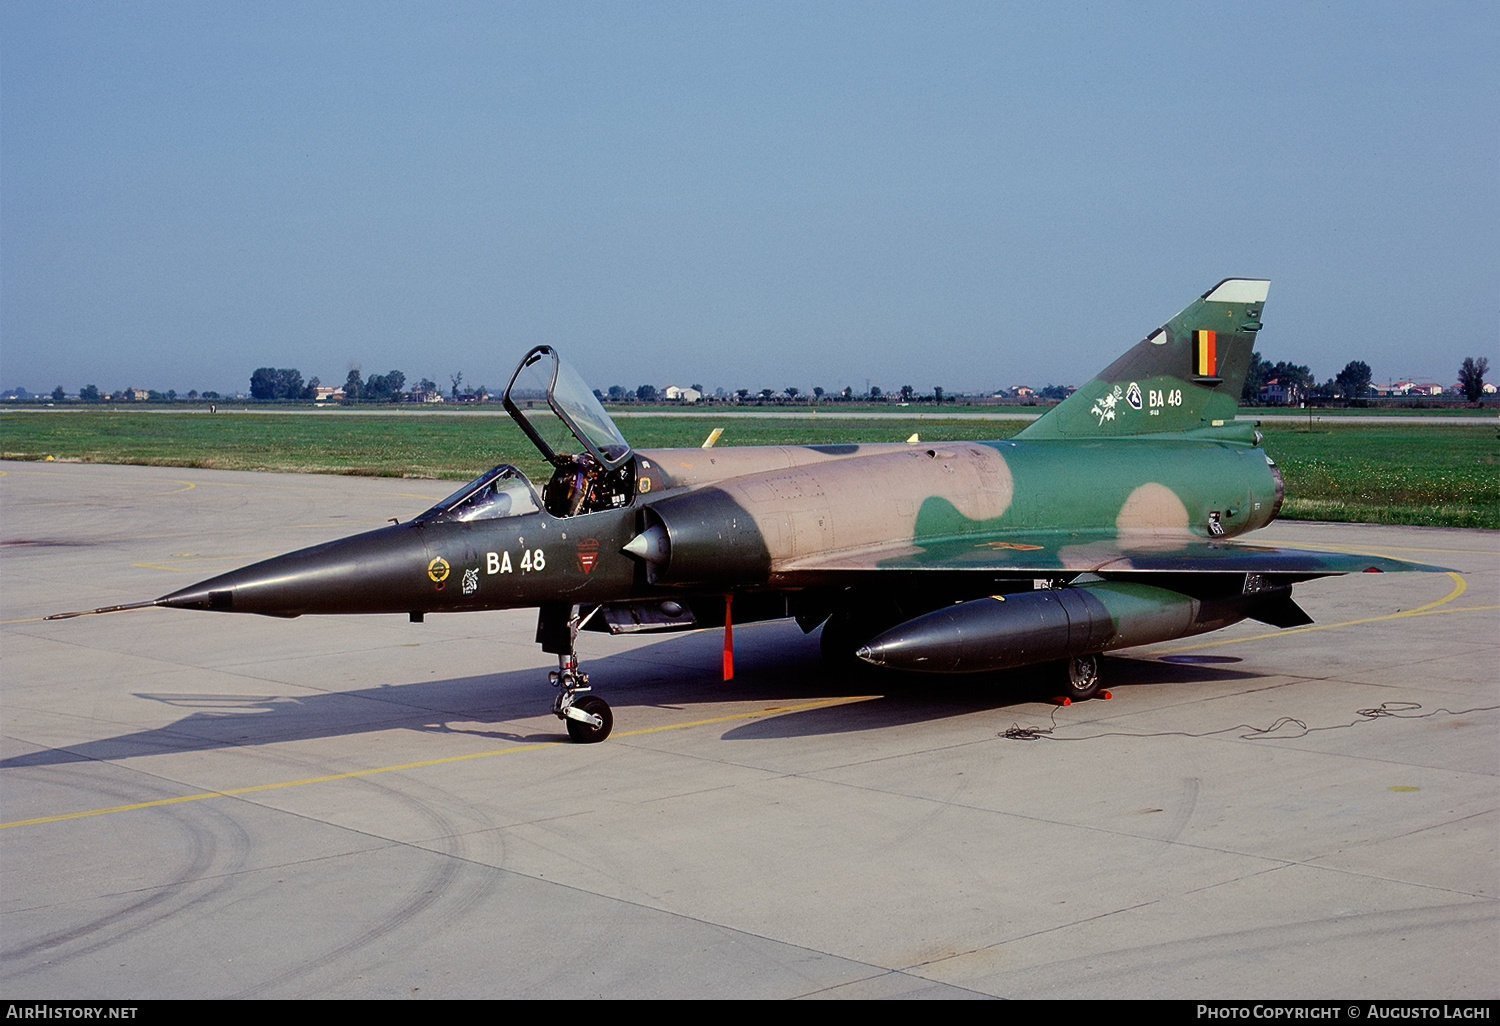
x: 438, y: 570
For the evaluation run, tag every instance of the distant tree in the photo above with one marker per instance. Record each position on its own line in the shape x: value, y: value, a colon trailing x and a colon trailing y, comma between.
x: 1471, y: 377
x: 1354, y: 380
x: 384, y: 388
x: 848, y: 392
x: 171, y: 395
x: 310, y: 390
x: 276, y: 383
x: 646, y: 393
x: 766, y: 393
x: 617, y: 393
x: 427, y: 385
x: 353, y: 386
x: 906, y: 393
x: 875, y: 392
x: 458, y: 379
x: 792, y: 393
x: 742, y: 393
x: 937, y: 395
x: 1057, y: 392
x: 817, y: 392
x: 1255, y: 380
x: 58, y: 395
x: 211, y: 395
x: 263, y: 383
x: 697, y: 388
x: 193, y: 393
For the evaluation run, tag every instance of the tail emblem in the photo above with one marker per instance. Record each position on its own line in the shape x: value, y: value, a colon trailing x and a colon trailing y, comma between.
x: 1104, y: 407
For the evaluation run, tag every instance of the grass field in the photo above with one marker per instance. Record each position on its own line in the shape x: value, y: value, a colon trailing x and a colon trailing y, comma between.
x: 1401, y: 473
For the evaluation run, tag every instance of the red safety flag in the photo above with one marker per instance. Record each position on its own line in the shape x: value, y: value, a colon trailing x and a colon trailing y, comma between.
x: 728, y: 639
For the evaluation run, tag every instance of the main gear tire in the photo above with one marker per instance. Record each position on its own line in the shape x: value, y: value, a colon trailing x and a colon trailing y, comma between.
x: 1079, y: 677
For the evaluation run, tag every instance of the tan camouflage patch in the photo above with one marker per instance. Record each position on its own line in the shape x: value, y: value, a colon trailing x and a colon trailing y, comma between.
x: 1152, y: 507
x: 993, y: 486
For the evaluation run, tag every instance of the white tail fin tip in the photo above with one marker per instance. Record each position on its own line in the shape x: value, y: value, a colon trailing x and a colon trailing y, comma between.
x: 1239, y: 290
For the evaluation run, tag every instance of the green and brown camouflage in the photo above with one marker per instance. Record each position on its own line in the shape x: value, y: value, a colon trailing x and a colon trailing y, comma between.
x: 1106, y: 523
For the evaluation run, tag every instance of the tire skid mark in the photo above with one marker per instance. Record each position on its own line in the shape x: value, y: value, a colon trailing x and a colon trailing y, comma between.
x: 1186, y: 804
x: 211, y: 860
x: 443, y: 887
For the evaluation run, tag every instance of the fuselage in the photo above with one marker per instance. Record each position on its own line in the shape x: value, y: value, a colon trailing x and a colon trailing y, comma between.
x: 740, y: 519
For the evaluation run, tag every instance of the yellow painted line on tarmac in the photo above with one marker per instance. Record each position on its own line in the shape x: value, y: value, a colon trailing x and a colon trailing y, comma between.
x: 154, y: 566
x: 825, y: 703
x: 1384, y: 550
x: 1430, y: 609
x: 516, y: 750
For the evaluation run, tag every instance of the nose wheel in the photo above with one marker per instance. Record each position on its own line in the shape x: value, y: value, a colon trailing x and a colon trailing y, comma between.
x: 589, y: 720
x: 587, y: 716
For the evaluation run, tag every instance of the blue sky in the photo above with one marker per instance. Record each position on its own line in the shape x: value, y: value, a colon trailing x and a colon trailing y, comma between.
x: 970, y: 195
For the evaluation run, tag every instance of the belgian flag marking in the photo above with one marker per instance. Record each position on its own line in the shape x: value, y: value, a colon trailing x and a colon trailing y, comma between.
x: 1206, y: 347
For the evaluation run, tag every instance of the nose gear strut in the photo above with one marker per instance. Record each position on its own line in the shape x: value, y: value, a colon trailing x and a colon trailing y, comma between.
x: 587, y: 716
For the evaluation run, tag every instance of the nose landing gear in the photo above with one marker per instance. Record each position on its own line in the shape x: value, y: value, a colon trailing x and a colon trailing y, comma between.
x: 587, y: 716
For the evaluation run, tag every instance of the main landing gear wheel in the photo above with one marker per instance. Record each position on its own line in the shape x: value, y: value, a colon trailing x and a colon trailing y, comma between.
x: 584, y: 732
x: 1080, y: 678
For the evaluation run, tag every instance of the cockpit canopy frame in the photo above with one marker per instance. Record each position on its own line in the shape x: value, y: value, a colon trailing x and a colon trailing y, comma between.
x: 497, y: 493
x: 544, y: 376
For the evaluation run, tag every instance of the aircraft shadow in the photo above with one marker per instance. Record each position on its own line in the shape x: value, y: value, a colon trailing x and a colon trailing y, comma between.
x: 776, y: 665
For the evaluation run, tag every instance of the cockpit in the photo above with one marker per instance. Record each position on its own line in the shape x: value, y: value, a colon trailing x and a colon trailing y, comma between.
x: 561, y: 416
x: 502, y: 492
x: 592, y: 465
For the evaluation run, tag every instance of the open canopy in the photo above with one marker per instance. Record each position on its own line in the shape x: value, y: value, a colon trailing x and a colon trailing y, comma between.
x: 559, y: 412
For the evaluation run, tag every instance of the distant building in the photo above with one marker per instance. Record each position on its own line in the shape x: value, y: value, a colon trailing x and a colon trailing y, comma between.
x: 682, y: 395
x: 1273, y: 392
x: 1417, y: 388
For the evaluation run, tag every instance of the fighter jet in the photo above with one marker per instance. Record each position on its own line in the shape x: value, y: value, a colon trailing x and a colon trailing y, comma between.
x: 1105, y: 524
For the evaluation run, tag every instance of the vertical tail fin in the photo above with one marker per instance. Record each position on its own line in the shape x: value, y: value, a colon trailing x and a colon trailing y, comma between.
x: 1185, y: 375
